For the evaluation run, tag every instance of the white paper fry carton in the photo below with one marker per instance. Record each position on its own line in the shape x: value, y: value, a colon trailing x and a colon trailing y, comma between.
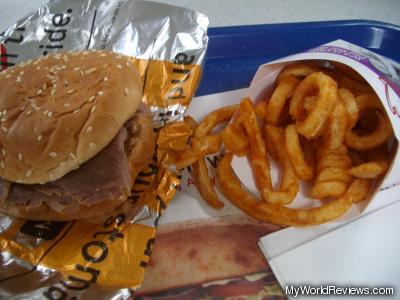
x: 382, y: 74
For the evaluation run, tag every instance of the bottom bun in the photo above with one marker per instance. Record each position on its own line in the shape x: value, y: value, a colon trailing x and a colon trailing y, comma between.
x: 44, y: 212
x: 49, y: 202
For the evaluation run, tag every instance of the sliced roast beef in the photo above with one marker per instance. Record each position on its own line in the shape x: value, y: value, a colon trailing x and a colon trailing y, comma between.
x: 4, y: 189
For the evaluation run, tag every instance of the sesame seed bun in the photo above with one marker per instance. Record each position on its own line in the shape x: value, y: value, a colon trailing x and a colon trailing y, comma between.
x: 139, y: 148
x: 59, y: 111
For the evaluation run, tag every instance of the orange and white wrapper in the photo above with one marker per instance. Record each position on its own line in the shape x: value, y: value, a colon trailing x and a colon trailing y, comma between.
x: 71, y: 260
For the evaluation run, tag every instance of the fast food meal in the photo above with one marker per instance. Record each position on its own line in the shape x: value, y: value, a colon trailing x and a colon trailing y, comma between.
x: 74, y: 135
x: 322, y: 124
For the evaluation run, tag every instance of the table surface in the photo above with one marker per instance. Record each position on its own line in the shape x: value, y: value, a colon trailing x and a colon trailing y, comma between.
x: 244, y: 12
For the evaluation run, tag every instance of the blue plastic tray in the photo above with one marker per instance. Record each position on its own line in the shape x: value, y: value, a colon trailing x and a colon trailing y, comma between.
x: 234, y: 53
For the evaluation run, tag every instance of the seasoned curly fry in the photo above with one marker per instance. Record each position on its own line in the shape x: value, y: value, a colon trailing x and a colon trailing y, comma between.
x: 379, y: 136
x: 235, y: 139
x: 289, y: 185
x: 258, y: 154
x: 296, y: 156
x: 218, y: 116
x: 282, y: 93
x: 369, y: 170
x: 205, y: 184
x: 310, y: 125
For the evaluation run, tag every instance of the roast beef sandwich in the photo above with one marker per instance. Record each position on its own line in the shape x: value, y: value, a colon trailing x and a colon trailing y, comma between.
x: 74, y: 134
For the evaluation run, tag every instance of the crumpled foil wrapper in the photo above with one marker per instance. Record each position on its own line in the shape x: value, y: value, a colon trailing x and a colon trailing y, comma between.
x: 105, y: 257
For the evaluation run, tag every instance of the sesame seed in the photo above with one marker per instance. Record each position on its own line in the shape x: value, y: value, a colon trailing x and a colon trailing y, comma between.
x: 3, y: 119
x: 119, y: 66
x: 4, y: 129
x: 91, y: 98
x: 89, y: 129
x: 20, y: 156
x: 93, y: 109
x: 22, y: 108
x: 58, y: 56
x: 85, y: 53
x: 53, y: 154
x: 100, y: 93
x: 37, y: 108
x: 21, y: 73
x: 8, y: 76
x: 92, y: 145
x: 67, y: 104
x: 44, y: 86
x: 18, y: 79
x: 72, y: 155
x: 29, y: 112
x: 51, y: 176
x: 90, y: 71
x: 126, y: 91
x: 77, y: 69
x: 128, y: 63
x: 46, y: 112
x: 50, y: 114
x: 28, y: 173
x: 3, y: 151
x: 39, y: 137
x: 103, y: 54
x: 49, y: 76
x: 66, y: 82
x: 62, y: 164
x: 39, y: 92
x: 38, y: 68
x: 33, y: 105
x: 70, y: 91
x: 82, y: 73
x: 106, y: 78
x: 2, y: 165
x: 76, y: 111
x: 4, y: 112
x: 63, y: 67
x: 53, y: 91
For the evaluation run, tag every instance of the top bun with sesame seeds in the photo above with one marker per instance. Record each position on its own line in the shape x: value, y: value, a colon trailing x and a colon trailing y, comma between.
x: 59, y: 111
